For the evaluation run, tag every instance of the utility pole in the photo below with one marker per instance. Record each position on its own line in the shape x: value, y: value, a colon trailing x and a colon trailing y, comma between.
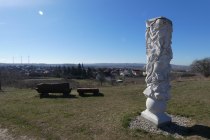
x: 28, y: 59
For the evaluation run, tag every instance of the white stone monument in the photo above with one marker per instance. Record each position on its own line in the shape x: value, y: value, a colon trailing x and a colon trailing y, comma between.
x: 159, y: 55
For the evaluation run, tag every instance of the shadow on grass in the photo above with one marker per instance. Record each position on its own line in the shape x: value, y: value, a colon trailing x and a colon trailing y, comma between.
x: 195, y: 130
x: 92, y: 95
x: 57, y: 96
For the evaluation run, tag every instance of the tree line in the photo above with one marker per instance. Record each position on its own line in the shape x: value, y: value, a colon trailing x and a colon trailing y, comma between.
x: 79, y: 72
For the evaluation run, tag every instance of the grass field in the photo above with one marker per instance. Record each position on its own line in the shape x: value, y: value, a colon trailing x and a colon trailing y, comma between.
x: 104, y: 117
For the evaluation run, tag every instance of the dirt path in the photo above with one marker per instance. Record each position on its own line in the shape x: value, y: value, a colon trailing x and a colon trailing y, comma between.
x: 4, y: 135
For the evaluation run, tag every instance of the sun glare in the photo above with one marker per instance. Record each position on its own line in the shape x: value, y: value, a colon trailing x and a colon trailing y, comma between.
x: 41, y: 13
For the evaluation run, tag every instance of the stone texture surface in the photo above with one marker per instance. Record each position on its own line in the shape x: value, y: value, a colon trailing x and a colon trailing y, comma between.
x: 159, y: 55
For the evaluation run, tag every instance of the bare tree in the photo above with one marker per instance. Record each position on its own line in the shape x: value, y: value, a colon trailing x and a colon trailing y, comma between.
x: 100, y: 77
x: 201, y: 66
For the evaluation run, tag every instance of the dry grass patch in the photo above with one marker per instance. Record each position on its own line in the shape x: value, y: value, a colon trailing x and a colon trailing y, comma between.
x: 104, y: 117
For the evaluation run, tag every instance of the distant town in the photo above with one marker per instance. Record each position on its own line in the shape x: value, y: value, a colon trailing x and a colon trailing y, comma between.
x: 103, y: 72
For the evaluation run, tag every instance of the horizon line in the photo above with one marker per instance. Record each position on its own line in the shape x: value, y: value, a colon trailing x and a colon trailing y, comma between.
x: 80, y: 63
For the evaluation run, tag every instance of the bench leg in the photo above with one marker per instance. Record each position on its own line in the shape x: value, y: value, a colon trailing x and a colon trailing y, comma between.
x: 65, y: 94
x: 95, y: 93
x: 81, y: 93
x: 44, y: 95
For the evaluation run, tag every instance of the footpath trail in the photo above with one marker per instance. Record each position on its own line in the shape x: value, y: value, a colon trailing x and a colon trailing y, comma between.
x: 4, y: 134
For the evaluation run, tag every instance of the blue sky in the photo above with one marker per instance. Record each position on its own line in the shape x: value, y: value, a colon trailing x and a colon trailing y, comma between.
x: 99, y: 31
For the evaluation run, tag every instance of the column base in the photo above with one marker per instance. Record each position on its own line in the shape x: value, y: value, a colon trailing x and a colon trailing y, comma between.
x: 158, y: 119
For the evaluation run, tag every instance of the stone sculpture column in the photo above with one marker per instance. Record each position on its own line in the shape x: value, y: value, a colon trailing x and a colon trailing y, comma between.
x: 159, y: 55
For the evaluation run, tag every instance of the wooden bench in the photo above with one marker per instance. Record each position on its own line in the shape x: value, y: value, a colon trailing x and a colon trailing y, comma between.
x: 45, y: 89
x: 81, y: 91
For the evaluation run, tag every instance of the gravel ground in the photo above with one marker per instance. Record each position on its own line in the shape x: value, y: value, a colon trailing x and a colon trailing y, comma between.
x: 177, y: 129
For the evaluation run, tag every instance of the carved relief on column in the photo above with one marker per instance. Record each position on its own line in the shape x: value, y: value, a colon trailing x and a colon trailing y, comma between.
x: 159, y: 55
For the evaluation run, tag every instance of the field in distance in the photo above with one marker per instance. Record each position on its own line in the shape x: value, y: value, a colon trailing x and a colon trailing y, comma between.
x: 23, y: 113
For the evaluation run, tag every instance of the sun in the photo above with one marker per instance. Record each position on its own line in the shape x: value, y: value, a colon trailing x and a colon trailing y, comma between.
x: 41, y: 13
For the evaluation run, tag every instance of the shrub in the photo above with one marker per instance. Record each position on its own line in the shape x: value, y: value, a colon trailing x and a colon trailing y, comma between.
x: 201, y: 66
